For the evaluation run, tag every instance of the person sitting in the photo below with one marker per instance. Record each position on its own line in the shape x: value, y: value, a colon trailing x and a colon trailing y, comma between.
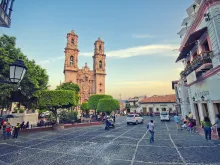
x: 22, y: 125
x: 26, y: 125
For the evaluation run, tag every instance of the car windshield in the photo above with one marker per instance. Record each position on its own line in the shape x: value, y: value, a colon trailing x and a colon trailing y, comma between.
x: 163, y: 113
x: 130, y: 116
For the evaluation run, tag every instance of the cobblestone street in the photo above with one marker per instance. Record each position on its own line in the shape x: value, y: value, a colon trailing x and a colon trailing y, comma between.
x: 124, y: 145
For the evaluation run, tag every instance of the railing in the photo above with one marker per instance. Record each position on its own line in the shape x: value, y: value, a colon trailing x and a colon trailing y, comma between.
x: 199, y: 60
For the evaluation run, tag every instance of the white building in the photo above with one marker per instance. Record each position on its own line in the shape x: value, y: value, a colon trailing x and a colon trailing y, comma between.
x: 157, y: 104
x: 182, y: 97
x: 200, y: 54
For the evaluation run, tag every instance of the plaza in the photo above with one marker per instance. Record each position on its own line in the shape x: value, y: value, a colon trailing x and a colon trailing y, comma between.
x: 124, y: 145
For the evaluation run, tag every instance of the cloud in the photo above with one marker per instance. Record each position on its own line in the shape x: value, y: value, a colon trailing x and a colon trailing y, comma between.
x: 147, y: 50
x: 142, y: 36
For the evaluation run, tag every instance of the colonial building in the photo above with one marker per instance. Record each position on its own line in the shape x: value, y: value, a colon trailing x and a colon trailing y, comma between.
x: 90, y: 81
x: 5, y: 12
x: 182, y: 97
x: 200, y: 55
x: 156, y: 104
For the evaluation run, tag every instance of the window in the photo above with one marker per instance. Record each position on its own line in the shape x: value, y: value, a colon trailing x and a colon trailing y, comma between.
x: 164, y: 109
x: 170, y: 109
x: 100, y: 47
x: 100, y: 64
x: 100, y: 84
x: 100, y: 90
x: 86, y: 78
x: 72, y: 41
x: 71, y: 60
x: 157, y: 109
x: 205, y: 46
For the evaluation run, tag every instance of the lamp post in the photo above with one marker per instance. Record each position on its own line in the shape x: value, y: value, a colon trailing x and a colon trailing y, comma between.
x: 17, y: 70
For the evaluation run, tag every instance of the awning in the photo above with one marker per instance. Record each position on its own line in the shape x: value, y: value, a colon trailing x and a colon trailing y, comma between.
x: 190, y: 43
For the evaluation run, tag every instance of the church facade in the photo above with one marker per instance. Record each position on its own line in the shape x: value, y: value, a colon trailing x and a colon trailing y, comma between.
x: 89, y: 81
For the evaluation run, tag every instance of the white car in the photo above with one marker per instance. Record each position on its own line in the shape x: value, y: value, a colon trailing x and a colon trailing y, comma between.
x: 164, y: 116
x: 134, y: 119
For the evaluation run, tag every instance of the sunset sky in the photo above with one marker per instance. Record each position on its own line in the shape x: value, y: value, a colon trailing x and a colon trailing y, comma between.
x: 140, y: 39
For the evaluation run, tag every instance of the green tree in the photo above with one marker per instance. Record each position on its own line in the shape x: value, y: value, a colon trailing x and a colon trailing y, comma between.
x: 70, y: 86
x: 55, y: 99
x: 35, y: 78
x: 85, y: 107
x: 107, y: 105
x: 94, y: 100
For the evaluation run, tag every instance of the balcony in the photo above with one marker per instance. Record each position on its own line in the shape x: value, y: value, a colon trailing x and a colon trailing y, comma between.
x: 5, y: 13
x: 200, y: 64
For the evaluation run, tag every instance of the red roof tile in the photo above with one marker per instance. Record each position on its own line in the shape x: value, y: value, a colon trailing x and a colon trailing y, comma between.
x: 159, y: 99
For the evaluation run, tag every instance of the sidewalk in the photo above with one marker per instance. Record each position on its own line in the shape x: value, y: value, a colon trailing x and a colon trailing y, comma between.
x: 214, y: 133
x: 50, y: 128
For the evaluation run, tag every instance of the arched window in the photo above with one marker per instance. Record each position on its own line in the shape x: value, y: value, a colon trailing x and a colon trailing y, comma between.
x: 100, y: 47
x: 71, y: 60
x: 72, y: 41
x: 86, y: 78
x: 100, y: 64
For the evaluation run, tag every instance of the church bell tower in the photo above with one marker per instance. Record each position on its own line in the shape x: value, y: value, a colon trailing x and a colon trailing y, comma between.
x: 99, y: 66
x: 71, y: 57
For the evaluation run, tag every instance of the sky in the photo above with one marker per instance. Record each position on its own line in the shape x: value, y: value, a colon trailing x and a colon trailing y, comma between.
x: 140, y: 39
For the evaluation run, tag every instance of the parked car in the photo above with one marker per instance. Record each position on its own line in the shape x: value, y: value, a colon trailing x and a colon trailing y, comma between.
x: 134, y: 119
x: 164, y: 116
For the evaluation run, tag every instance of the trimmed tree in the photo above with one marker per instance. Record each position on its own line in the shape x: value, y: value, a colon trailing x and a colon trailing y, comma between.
x: 94, y: 100
x: 107, y: 105
x: 55, y: 99
x: 85, y: 107
x: 70, y: 86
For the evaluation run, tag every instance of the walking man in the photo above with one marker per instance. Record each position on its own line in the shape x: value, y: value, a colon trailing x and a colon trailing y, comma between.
x: 150, y: 127
x: 177, y: 121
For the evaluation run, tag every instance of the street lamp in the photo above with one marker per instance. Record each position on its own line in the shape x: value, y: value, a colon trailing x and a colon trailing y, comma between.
x: 17, y: 70
x: 193, y: 98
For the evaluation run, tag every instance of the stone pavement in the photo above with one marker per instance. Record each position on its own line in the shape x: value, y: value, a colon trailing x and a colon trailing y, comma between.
x: 124, y: 145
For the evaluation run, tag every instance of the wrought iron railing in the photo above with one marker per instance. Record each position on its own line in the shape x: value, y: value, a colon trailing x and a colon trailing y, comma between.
x: 199, y: 60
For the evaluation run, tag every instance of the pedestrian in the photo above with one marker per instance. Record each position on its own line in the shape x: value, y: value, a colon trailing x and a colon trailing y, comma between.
x: 217, y: 123
x: 190, y: 115
x: 8, y: 130
x: 16, y: 130
x: 150, y: 127
x: 4, y: 130
x: 177, y: 121
x: 114, y: 118
x: 207, y: 126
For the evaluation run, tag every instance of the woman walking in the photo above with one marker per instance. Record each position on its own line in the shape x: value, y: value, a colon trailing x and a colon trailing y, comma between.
x: 207, y: 126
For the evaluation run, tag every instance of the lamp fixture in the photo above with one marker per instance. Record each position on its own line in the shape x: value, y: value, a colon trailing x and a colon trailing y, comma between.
x: 207, y: 17
x: 17, y: 71
x: 203, y: 98
x: 193, y: 99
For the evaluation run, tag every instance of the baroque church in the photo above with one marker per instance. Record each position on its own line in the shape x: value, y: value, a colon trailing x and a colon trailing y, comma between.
x: 89, y: 81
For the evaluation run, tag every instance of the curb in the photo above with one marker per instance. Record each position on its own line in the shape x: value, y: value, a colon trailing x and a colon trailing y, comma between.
x: 42, y: 129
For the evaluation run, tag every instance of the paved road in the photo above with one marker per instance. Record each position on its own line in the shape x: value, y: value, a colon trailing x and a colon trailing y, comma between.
x: 124, y: 145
